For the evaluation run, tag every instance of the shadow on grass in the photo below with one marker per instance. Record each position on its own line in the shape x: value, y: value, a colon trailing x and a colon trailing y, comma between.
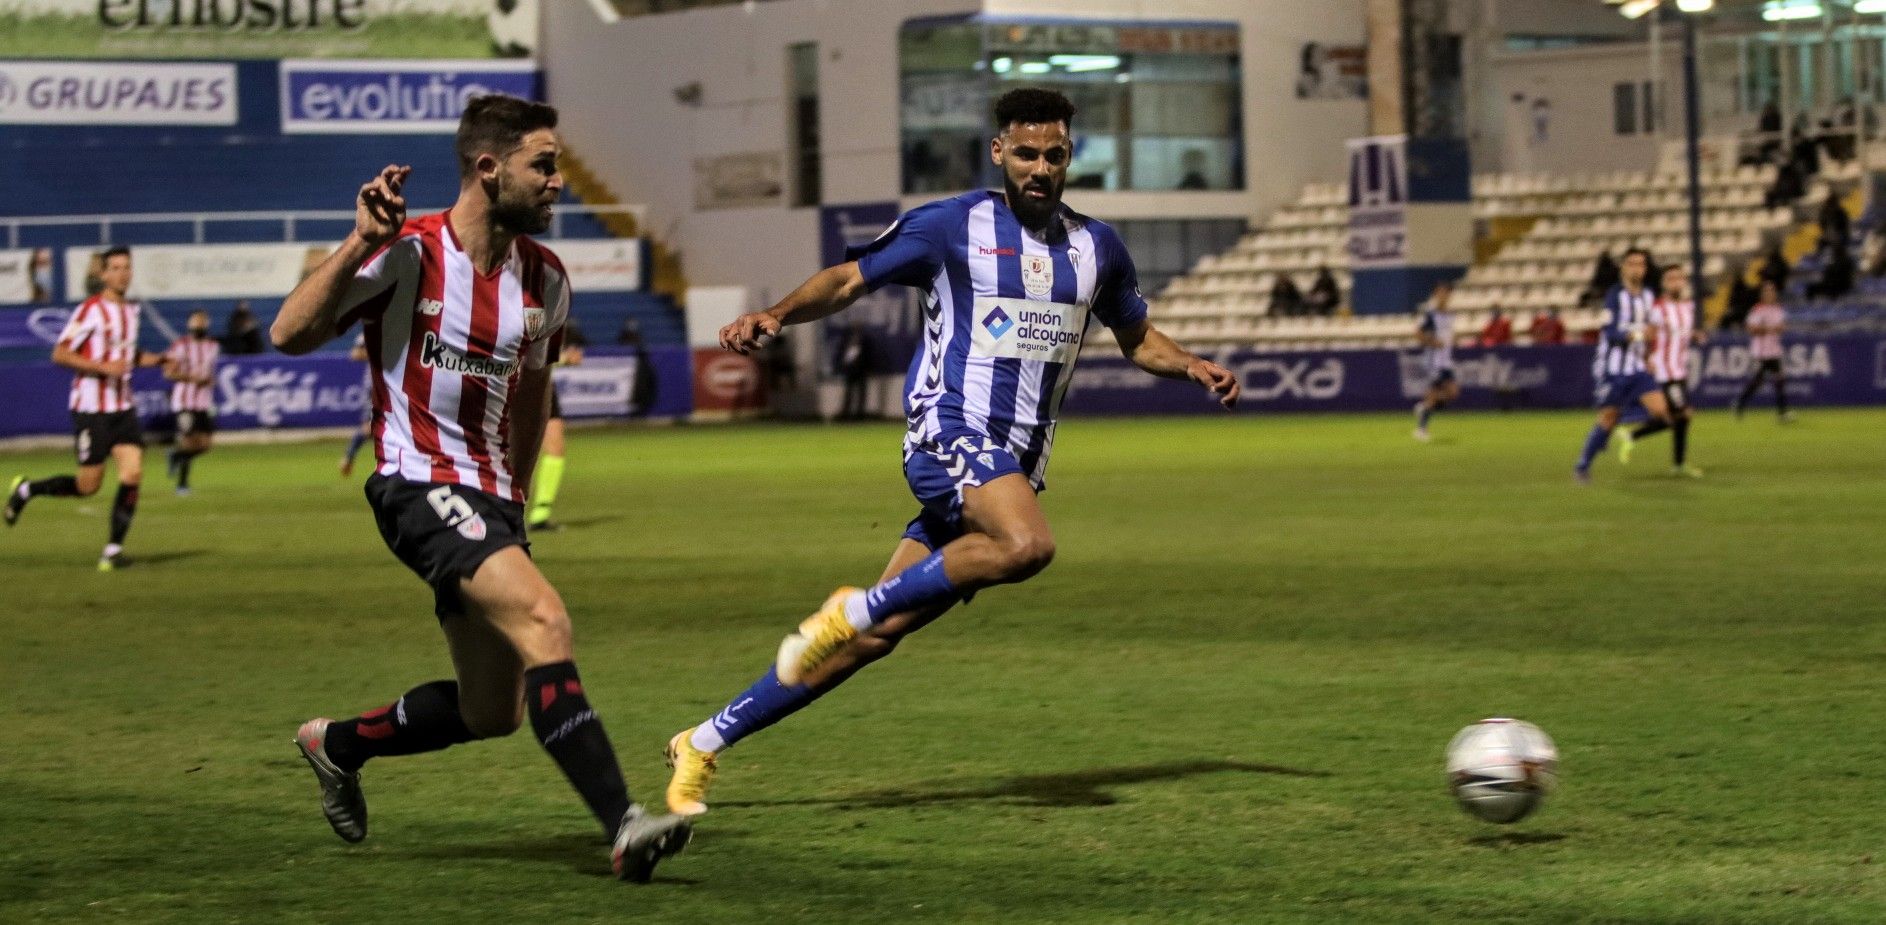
x: 1515, y: 839
x: 159, y: 558
x: 582, y: 522
x: 1076, y: 788
x: 585, y: 854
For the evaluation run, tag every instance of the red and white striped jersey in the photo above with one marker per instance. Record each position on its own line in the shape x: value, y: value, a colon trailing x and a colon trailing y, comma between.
x: 102, y: 331
x: 1674, y: 323
x: 195, y: 358
x: 446, y: 347
x: 1766, y: 346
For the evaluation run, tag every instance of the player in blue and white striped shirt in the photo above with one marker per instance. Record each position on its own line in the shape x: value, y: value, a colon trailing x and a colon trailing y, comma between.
x: 1618, y: 369
x: 1436, y: 334
x: 1011, y: 281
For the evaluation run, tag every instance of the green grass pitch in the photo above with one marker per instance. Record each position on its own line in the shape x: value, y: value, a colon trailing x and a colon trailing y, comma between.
x: 1225, y: 701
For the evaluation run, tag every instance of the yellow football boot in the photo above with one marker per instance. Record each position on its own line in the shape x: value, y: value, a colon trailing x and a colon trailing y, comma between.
x: 694, y: 770
x: 817, y: 638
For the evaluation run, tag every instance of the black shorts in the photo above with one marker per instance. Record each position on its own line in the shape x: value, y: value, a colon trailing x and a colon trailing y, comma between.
x: 190, y: 423
x: 93, y: 435
x: 1769, y: 367
x: 556, y: 405
x: 443, y: 532
x: 1676, y: 393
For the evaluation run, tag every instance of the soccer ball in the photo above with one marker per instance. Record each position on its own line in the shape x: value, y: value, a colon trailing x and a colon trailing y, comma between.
x: 513, y: 27
x: 1501, y: 769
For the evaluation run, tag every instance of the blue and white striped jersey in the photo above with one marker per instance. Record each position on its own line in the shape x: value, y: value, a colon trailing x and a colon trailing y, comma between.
x: 1625, y: 313
x: 1440, y: 326
x: 1005, y: 310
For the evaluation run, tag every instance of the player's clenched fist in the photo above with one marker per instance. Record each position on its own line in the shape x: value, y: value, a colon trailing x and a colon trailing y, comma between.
x: 379, y: 209
x: 744, y: 334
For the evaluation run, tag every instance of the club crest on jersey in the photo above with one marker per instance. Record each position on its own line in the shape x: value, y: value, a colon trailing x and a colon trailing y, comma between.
x: 431, y: 308
x: 1037, y: 274
x: 533, y: 321
x: 472, y: 528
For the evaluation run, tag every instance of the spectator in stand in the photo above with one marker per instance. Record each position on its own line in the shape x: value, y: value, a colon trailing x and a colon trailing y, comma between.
x: 1286, y: 300
x: 1742, y: 296
x: 1770, y: 119
x: 241, y: 335
x: 1603, y: 276
x: 1837, y: 278
x: 1775, y: 269
x: 1836, y: 225
x: 1790, y: 183
x: 1547, y: 328
x: 1498, y: 330
x: 1325, y: 294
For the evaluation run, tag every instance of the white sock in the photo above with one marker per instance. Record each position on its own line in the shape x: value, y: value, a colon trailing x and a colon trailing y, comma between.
x: 856, y: 613
x: 707, y: 738
x: 112, y: 549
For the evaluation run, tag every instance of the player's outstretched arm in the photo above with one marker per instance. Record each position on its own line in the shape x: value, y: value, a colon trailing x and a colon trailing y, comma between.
x: 532, y: 404
x: 1151, y: 350
x: 79, y: 363
x: 306, y: 320
x: 828, y: 292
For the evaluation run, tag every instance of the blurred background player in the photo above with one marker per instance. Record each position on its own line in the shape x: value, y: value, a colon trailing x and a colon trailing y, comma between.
x: 190, y: 365
x: 365, y: 431
x: 1766, y: 322
x: 983, y: 394
x: 1436, y: 334
x: 100, y: 346
x: 463, y: 314
x: 550, y: 462
x: 1672, y: 332
x: 1618, y: 369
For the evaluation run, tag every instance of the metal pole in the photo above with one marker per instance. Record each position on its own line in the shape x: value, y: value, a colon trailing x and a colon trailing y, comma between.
x: 1656, y: 77
x: 1692, y: 128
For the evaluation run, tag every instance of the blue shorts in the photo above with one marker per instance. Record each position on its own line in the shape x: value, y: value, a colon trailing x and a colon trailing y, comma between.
x: 938, y: 475
x: 1625, y: 391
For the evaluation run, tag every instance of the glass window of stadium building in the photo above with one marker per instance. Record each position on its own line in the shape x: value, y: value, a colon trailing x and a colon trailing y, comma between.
x: 1159, y: 103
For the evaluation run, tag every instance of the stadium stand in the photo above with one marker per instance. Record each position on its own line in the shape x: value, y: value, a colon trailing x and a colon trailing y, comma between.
x: 1564, y: 223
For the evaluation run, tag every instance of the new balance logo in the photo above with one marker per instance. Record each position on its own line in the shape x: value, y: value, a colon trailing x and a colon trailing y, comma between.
x: 440, y: 355
x: 431, y: 307
x: 998, y: 322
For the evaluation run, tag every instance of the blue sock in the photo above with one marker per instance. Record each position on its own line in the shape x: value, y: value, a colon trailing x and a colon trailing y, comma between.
x: 1422, y: 420
x: 1594, y: 444
x: 918, y: 587
x: 353, y: 446
x: 765, y: 703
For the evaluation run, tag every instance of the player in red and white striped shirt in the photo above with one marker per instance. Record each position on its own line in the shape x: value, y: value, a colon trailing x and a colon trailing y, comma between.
x: 190, y: 365
x: 1672, y: 332
x: 463, y: 317
x: 1765, y: 323
x: 100, y: 346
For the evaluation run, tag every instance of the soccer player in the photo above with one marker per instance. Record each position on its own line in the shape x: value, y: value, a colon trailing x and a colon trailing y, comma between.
x: 100, y: 346
x: 190, y: 365
x: 1010, y: 281
x: 365, y: 432
x: 1618, y: 368
x: 462, y: 314
x: 1672, y: 331
x: 1436, y: 334
x: 550, y: 470
x: 1766, y: 322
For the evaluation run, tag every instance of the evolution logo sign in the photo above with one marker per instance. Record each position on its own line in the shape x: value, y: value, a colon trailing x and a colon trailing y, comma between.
x: 394, y: 97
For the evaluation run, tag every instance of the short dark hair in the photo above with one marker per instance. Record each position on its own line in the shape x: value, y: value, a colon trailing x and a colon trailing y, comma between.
x: 1649, y: 261
x: 496, y: 123
x: 1033, y: 105
x: 116, y: 250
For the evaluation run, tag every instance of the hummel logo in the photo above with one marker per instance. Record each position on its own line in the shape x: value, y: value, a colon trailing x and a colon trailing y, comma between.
x: 998, y: 322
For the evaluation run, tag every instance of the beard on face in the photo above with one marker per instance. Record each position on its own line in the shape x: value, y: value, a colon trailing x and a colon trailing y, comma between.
x: 1033, y: 212
x: 516, y: 210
